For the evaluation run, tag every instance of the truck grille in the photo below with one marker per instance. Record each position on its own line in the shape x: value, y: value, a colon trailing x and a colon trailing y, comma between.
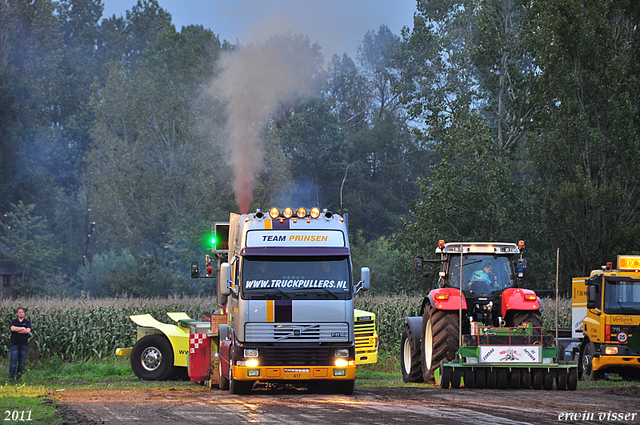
x: 296, y: 332
x: 296, y: 356
x: 364, y: 334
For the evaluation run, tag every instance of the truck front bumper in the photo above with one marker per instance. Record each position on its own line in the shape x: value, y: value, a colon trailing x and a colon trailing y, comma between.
x: 293, y: 373
x: 604, y: 362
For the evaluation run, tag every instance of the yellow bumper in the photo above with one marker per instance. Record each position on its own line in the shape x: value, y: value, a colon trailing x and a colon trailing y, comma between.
x: 367, y: 358
x: 293, y: 373
x: 604, y: 362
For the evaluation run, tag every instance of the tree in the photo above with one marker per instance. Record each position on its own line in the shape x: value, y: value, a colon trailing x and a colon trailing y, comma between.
x: 586, y: 147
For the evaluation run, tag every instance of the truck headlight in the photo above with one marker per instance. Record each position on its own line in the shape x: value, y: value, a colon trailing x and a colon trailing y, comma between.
x: 341, y: 352
x: 251, y: 352
x: 342, y: 363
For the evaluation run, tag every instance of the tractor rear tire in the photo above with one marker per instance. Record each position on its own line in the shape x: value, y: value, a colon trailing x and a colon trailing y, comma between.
x: 410, y: 357
x: 152, y: 358
x: 439, y: 339
x: 532, y: 317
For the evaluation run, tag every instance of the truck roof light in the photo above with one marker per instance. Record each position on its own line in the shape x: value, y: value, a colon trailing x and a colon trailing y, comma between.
x: 441, y: 243
x: 628, y: 262
x: 301, y: 212
x: 315, y: 212
x: 287, y: 212
x: 274, y: 212
x: 521, y: 244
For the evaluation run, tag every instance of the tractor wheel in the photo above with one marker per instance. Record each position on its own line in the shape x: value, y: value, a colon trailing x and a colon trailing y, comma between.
x: 502, y: 376
x: 469, y: 378
x: 525, y: 379
x: 445, y: 375
x: 532, y: 317
x: 480, y: 378
x: 547, y: 382
x: 410, y: 357
x: 152, y: 358
x: 537, y: 376
x: 456, y: 377
x: 492, y: 378
x: 586, y: 363
x: 561, y: 379
x: 572, y: 379
x: 439, y: 339
x: 514, y: 379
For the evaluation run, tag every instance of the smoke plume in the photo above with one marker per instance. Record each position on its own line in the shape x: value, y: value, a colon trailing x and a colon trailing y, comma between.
x: 254, y: 81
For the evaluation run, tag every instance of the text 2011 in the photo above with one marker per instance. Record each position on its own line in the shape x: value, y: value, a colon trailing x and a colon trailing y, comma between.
x: 17, y: 415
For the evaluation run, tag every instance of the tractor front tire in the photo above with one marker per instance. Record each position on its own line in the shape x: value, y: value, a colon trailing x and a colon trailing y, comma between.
x: 532, y: 317
x: 439, y: 339
x: 410, y: 357
x: 152, y: 358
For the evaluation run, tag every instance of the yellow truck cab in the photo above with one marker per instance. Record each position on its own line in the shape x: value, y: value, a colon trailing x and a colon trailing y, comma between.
x: 605, y: 319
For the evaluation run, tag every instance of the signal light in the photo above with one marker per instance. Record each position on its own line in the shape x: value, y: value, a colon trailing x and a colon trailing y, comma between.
x: 442, y: 296
x: 530, y: 297
x: 209, y: 270
x: 441, y: 243
x: 521, y: 244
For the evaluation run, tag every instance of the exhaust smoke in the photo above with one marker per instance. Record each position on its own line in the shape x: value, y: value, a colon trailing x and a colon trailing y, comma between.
x: 254, y: 81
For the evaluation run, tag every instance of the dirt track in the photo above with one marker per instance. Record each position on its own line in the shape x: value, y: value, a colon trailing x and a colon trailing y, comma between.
x: 378, y: 405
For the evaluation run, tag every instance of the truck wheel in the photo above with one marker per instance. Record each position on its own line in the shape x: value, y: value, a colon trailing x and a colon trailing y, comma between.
x: 346, y: 387
x: 572, y: 379
x: 532, y: 317
x: 223, y: 381
x: 586, y: 363
x: 410, y: 357
x: 439, y: 339
x: 238, y: 387
x: 561, y: 379
x: 152, y: 358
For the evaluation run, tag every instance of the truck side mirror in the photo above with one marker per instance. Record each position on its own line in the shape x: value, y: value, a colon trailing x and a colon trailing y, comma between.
x: 224, y: 278
x: 591, y: 296
x: 418, y: 263
x: 365, y: 280
x: 195, y: 270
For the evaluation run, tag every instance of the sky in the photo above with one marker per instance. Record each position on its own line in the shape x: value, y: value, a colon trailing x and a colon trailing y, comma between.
x: 337, y: 25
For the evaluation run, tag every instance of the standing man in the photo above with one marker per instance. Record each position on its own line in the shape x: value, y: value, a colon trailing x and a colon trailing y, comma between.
x: 20, y: 330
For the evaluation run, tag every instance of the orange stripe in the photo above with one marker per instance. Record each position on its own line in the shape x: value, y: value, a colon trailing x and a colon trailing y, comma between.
x: 270, y: 310
x: 267, y: 224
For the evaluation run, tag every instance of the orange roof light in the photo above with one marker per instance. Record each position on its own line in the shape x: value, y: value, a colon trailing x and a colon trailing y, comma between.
x: 628, y: 262
x: 287, y: 212
x: 441, y: 243
x: 274, y: 212
x: 521, y: 244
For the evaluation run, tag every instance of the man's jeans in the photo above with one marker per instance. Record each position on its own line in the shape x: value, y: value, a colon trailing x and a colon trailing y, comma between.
x: 18, y: 356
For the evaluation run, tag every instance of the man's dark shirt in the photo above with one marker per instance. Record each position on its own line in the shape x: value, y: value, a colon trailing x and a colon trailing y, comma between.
x: 20, y: 340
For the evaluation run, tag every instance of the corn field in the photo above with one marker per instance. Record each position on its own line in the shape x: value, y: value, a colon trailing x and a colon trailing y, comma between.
x: 80, y: 329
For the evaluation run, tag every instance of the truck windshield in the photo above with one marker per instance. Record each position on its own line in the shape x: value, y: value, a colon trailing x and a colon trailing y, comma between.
x: 482, y: 275
x: 323, y: 276
x: 622, y: 296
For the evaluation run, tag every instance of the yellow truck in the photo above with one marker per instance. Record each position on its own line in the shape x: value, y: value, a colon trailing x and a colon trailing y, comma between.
x: 605, y: 320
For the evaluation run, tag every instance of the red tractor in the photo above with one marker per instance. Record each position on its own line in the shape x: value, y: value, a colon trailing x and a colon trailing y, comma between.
x: 489, y: 274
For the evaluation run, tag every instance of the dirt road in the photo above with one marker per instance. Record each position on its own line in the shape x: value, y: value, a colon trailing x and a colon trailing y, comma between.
x: 375, y: 405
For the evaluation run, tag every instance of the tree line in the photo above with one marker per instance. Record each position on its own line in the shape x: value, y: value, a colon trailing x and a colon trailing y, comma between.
x: 487, y: 120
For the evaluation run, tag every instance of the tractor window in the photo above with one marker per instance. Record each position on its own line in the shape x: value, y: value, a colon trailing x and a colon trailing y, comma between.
x: 622, y: 296
x: 482, y: 275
